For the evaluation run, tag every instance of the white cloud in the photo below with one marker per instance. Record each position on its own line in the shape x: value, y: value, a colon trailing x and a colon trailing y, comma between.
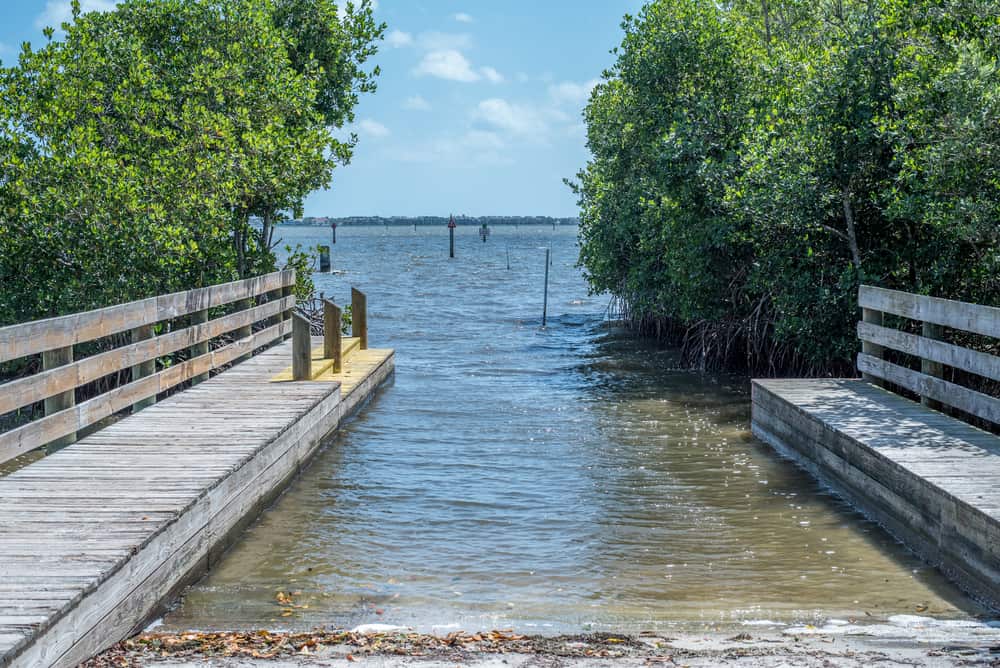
x: 416, y: 103
x: 57, y: 12
x: 448, y: 64
x: 398, y: 39
x: 373, y: 128
x: 517, y: 119
x: 462, y: 17
x: 491, y: 75
x: 571, y: 93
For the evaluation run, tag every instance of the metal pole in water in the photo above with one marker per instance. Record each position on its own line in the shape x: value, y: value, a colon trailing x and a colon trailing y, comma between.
x: 508, y: 258
x: 451, y: 236
x: 545, y: 299
x: 333, y: 227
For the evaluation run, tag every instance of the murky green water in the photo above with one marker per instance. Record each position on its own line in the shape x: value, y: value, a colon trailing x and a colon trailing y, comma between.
x: 550, y: 479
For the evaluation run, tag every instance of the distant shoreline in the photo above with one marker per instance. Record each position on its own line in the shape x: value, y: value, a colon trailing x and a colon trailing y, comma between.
x: 432, y: 221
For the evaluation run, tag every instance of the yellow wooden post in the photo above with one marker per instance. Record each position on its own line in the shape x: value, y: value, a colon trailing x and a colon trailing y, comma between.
x: 301, y: 348
x: 359, y: 317
x: 331, y: 334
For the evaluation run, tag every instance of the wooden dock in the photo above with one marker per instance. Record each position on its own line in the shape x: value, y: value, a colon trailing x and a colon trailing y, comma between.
x: 97, y: 536
x: 928, y: 477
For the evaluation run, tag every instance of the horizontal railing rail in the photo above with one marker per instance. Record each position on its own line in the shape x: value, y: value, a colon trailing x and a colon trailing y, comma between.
x: 61, y: 374
x: 934, y: 315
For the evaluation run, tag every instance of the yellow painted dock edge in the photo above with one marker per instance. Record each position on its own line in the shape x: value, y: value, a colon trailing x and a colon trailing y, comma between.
x: 322, y: 367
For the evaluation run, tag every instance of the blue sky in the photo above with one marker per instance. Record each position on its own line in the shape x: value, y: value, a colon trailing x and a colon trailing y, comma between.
x: 478, y: 107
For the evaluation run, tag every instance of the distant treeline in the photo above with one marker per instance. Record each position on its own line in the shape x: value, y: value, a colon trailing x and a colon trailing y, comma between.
x: 436, y: 220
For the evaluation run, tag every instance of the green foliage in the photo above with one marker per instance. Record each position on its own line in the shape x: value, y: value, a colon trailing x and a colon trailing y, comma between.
x: 135, y: 151
x: 754, y: 161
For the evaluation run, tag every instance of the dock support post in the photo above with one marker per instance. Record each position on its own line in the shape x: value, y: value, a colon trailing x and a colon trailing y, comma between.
x: 287, y: 291
x: 244, y: 332
x: 143, y: 369
x: 359, y: 317
x: 301, y: 348
x: 874, y: 317
x: 331, y: 334
x: 198, y: 349
x: 324, y: 259
x: 59, y: 402
x: 936, y: 369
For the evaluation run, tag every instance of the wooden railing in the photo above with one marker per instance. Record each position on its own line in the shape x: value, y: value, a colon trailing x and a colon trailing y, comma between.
x: 935, y: 316
x: 190, y: 329
x: 332, y: 347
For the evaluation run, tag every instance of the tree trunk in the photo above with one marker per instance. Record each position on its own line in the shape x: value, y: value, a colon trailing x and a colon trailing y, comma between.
x: 852, y: 237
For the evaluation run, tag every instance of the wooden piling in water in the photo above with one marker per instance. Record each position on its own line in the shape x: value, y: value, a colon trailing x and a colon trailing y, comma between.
x: 324, y: 259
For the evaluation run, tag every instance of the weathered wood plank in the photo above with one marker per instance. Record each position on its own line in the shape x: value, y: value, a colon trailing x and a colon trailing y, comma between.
x: 34, y: 337
x: 972, y: 402
x: 36, y: 434
x: 967, y: 317
x: 26, y: 391
x: 973, y: 361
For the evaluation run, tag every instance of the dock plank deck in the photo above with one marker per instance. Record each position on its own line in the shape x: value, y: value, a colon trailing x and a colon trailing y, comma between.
x: 928, y: 478
x: 95, y: 537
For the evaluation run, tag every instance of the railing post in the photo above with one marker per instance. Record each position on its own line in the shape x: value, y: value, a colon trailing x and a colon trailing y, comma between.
x: 876, y: 318
x: 359, y: 317
x: 931, y: 331
x: 198, y: 349
x: 59, y: 402
x: 331, y: 334
x: 301, y: 348
x: 287, y: 291
x: 143, y: 369
x: 246, y: 331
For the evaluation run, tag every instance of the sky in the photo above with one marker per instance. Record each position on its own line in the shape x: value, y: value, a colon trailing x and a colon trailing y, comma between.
x: 478, y: 108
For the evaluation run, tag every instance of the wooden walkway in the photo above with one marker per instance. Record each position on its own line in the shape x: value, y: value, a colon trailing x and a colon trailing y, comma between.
x: 96, y: 537
x: 929, y: 478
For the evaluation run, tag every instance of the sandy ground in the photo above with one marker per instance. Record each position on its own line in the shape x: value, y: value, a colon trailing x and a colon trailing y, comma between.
x: 345, y: 649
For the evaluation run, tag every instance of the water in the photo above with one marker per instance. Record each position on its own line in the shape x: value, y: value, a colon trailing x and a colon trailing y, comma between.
x: 549, y: 480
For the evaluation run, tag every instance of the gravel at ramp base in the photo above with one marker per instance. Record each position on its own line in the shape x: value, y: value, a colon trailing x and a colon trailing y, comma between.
x: 503, y: 649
